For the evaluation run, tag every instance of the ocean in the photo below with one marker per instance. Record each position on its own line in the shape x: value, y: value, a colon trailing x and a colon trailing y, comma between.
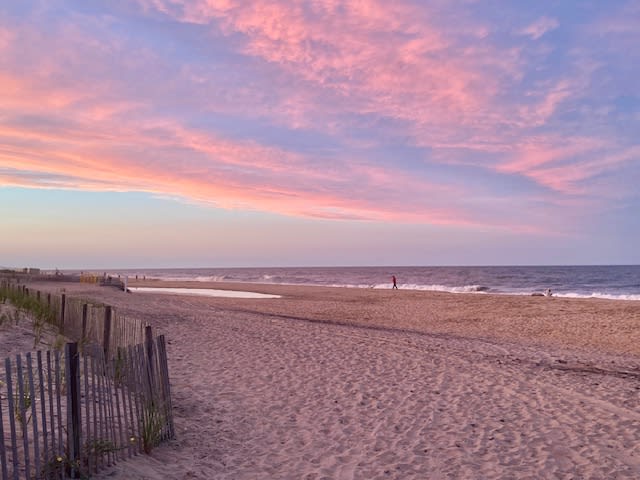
x: 615, y: 282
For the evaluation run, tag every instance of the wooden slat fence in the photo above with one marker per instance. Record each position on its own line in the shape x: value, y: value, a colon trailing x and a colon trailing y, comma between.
x: 69, y: 413
x: 86, y: 322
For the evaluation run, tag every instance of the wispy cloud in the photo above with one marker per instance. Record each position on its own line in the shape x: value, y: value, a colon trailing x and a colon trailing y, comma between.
x: 360, y: 110
x: 540, y: 27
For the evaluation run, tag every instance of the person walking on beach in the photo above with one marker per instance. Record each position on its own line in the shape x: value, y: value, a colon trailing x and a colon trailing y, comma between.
x: 393, y: 279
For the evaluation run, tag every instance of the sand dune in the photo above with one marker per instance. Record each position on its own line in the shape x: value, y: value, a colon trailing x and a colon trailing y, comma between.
x: 359, y: 384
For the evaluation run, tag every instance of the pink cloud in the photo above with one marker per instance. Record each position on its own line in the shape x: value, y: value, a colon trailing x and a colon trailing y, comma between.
x: 541, y: 151
x: 387, y: 62
x: 380, y: 57
x: 228, y: 175
x: 539, y: 112
x: 541, y: 26
x: 386, y: 59
x: 565, y: 164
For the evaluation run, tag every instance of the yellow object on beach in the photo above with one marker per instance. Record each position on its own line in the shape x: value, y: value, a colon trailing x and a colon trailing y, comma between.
x: 88, y: 278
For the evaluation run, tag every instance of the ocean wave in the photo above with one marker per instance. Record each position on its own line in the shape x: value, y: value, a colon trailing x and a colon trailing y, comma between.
x: 413, y: 286
x: 445, y: 288
x: 212, y: 278
x: 483, y: 290
x: 186, y: 278
x: 606, y: 296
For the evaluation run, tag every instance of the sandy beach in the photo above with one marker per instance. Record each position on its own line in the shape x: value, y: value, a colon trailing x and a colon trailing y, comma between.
x: 337, y: 383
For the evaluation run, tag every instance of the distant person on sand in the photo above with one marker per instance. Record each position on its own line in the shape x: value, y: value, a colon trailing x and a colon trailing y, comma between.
x: 393, y: 279
x: 548, y: 292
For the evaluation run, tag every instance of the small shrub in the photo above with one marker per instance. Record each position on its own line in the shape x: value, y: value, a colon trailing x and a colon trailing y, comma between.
x: 59, y: 343
x: 22, y: 403
x: 60, y: 466
x: 97, y: 448
x: 24, y: 303
x: 153, y: 422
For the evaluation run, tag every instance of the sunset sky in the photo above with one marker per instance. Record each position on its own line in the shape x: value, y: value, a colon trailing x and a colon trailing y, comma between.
x: 160, y: 133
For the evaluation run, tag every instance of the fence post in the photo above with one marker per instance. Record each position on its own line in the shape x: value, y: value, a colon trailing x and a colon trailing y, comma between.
x: 148, y: 343
x: 73, y: 402
x: 11, y: 399
x: 85, y: 309
x: 166, y: 388
x: 63, y: 306
x: 107, y: 333
x: 48, y: 300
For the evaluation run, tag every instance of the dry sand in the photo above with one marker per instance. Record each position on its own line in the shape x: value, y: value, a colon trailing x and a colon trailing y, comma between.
x: 334, y: 383
x: 17, y: 334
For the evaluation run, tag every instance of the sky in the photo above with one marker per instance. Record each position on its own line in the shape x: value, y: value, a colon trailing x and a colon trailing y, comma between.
x: 221, y: 133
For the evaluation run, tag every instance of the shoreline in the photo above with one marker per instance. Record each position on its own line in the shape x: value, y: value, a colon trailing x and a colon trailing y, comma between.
x: 469, y: 290
x: 235, y: 284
